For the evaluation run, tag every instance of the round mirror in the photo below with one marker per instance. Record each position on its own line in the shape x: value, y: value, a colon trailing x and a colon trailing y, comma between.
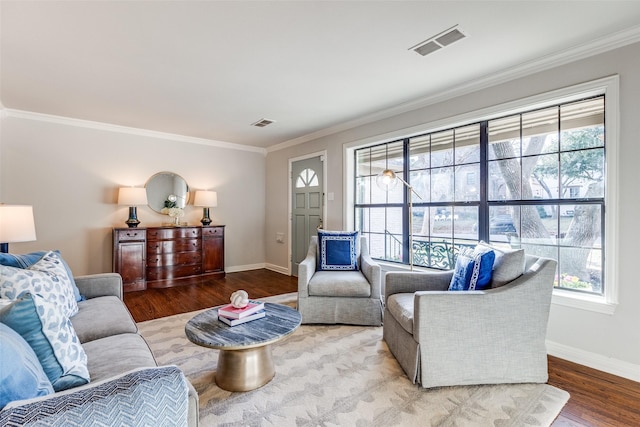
x: 166, y: 189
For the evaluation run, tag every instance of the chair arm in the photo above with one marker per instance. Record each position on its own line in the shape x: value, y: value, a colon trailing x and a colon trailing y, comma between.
x: 100, y: 285
x: 306, y: 270
x: 373, y: 272
x: 146, y: 394
x: 397, y: 282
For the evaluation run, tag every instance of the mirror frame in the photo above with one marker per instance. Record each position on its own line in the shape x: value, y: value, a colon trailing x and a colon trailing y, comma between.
x: 164, y: 184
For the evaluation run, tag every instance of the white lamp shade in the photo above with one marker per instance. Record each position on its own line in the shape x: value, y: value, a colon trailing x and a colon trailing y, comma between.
x: 16, y: 224
x: 131, y: 196
x: 207, y: 199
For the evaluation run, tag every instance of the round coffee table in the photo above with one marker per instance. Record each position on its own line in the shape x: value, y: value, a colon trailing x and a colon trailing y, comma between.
x: 245, y: 361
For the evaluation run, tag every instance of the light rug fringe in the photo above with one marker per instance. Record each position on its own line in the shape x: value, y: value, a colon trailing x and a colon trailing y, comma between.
x: 338, y: 375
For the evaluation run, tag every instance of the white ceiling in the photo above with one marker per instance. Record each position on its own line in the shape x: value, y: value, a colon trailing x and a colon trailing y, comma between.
x: 208, y: 69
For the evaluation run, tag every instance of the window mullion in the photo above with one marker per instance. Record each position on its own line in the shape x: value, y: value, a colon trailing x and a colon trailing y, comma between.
x: 483, y: 214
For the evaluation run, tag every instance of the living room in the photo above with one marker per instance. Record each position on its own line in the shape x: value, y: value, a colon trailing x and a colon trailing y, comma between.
x: 69, y: 166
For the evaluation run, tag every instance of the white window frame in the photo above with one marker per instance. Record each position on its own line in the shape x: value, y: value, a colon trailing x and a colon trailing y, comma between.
x: 610, y: 87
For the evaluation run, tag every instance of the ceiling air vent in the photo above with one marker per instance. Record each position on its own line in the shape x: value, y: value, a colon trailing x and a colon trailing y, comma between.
x: 439, y: 41
x: 262, y: 123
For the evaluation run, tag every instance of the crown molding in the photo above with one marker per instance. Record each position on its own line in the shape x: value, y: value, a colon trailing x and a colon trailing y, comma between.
x: 67, y: 121
x: 578, y: 52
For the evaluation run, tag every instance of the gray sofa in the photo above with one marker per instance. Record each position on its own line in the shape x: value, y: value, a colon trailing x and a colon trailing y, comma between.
x: 127, y: 387
x: 445, y: 338
x: 348, y: 297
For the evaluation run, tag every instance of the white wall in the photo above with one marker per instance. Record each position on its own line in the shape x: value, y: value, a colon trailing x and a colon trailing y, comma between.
x: 607, y: 342
x: 71, y: 175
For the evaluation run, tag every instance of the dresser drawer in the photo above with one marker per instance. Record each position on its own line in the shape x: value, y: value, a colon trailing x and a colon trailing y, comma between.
x: 213, y: 232
x: 174, y: 259
x: 171, y: 246
x: 173, y: 233
x: 130, y: 235
x: 164, y: 273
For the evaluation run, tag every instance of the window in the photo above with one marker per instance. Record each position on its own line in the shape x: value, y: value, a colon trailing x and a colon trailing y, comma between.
x: 534, y: 179
x: 307, y: 178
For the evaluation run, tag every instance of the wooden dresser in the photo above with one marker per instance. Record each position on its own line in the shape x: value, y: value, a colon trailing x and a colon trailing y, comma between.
x: 157, y: 257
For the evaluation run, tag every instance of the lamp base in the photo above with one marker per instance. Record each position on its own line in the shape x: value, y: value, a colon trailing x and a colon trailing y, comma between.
x: 205, y: 217
x: 133, y: 221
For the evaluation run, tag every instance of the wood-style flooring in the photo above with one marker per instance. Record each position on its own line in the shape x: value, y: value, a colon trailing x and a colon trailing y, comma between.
x: 597, y: 398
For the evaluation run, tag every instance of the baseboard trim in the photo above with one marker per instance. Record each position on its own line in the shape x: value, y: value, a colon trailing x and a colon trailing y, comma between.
x: 595, y: 361
x: 272, y: 267
x: 247, y: 267
x: 277, y: 269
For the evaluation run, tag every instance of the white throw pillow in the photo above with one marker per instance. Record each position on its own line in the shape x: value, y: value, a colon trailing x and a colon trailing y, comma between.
x: 47, y: 278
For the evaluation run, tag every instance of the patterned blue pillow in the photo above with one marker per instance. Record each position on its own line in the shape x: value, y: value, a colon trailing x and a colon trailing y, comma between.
x: 52, y: 338
x: 21, y: 375
x: 26, y: 260
x: 473, y: 269
x: 48, y: 278
x: 338, y: 250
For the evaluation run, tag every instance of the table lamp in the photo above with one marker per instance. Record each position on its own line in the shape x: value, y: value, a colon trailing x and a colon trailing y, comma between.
x: 205, y: 199
x: 132, y: 197
x: 16, y: 225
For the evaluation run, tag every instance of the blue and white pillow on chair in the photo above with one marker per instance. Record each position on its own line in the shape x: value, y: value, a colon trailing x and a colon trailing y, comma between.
x: 337, y: 250
x: 473, y: 269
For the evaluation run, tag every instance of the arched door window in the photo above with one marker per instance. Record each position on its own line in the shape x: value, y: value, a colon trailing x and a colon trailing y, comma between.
x: 307, y: 178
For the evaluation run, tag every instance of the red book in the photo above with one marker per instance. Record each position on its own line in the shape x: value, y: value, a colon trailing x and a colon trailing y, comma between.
x: 232, y: 312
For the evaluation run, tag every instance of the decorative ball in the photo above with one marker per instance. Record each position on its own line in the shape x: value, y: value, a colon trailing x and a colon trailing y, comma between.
x: 240, y: 299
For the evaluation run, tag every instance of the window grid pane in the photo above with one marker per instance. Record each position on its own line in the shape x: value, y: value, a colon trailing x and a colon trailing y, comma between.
x: 544, y: 181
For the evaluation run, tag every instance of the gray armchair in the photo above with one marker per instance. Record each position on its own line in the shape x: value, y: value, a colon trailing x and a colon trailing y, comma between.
x: 443, y: 338
x: 348, y: 297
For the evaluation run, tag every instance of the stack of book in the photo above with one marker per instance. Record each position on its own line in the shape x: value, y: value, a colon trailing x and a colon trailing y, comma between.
x: 233, y: 316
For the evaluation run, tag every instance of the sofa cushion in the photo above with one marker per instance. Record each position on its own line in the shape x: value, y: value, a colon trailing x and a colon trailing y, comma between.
x: 337, y: 250
x: 401, y: 308
x: 142, y: 398
x: 473, y: 269
x: 339, y: 284
x: 101, y: 317
x: 508, y: 265
x: 52, y: 338
x: 26, y: 260
x: 47, y: 278
x: 21, y: 375
x: 117, y: 354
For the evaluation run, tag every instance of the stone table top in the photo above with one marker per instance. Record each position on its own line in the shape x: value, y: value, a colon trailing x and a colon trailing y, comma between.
x: 206, y: 330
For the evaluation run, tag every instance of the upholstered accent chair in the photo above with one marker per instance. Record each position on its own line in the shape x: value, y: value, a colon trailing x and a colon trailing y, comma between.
x: 346, y: 297
x: 494, y: 336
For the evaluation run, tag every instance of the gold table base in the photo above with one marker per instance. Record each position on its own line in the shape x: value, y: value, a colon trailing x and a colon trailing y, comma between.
x: 245, y: 369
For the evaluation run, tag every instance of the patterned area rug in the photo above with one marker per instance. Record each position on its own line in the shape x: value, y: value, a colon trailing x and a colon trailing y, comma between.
x: 339, y: 375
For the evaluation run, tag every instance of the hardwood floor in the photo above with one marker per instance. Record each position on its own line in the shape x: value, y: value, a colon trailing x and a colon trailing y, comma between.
x: 597, y: 398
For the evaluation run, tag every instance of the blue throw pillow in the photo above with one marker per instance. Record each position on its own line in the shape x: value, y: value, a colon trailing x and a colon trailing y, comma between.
x: 337, y: 250
x: 473, y: 269
x: 21, y: 375
x: 51, y: 336
x: 27, y: 260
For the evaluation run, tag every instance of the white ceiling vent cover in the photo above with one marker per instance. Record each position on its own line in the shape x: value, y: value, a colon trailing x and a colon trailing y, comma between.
x: 439, y: 41
x: 262, y: 123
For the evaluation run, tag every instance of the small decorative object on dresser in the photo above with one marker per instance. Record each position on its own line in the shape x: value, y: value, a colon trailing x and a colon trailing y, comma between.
x: 160, y: 256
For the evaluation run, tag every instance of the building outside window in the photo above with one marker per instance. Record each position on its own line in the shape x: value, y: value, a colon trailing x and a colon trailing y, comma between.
x: 532, y: 180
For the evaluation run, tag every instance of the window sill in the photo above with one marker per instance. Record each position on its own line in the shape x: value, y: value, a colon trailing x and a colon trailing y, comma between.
x: 597, y: 304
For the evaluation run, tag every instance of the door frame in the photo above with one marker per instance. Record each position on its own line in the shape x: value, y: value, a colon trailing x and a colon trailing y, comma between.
x: 323, y: 155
